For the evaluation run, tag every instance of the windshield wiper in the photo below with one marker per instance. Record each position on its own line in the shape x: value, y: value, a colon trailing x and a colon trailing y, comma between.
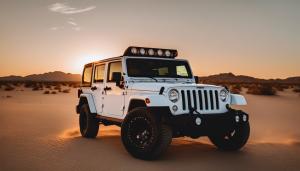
x: 152, y: 78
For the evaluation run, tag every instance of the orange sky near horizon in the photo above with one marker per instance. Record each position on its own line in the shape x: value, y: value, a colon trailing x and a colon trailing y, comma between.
x: 257, y: 38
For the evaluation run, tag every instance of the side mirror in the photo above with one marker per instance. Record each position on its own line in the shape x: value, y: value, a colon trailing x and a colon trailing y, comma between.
x: 197, y: 79
x: 116, y: 77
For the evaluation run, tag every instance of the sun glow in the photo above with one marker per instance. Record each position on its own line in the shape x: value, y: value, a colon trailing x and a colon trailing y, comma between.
x: 80, y: 61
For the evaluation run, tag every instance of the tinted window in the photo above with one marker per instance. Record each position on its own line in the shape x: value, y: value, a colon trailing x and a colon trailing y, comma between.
x: 158, y: 68
x: 99, y: 73
x: 87, y: 76
x: 113, y: 67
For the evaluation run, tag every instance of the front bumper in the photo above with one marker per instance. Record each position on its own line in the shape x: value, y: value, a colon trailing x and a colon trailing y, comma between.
x: 195, y: 125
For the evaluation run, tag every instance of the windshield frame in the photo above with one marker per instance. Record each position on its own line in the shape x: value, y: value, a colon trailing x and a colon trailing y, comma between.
x: 189, y: 69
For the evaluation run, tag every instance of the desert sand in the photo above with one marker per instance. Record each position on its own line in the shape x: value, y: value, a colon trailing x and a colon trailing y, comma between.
x: 40, y: 132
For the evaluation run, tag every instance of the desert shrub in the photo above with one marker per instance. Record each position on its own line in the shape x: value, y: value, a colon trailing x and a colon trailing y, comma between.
x: 281, y: 87
x: 46, y: 92
x: 297, y: 90
x: 48, y: 86
x: 66, y: 91
x: 53, y: 92
x: 264, y: 89
x: 9, y: 88
x: 8, y: 96
x: 57, y: 87
x: 236, y: 89
x: 35, y: 89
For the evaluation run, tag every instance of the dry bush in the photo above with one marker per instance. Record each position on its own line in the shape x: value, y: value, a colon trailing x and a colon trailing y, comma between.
x: 297, y: 90
x: 66, y: 91
x: 46, y: 92
x: 9, y: 88
x: 264, y: 89
x: 236, y: 89
x: 53, y: 92
x: 8, y: 96
x: 58, y: 87
x: 35, y: 89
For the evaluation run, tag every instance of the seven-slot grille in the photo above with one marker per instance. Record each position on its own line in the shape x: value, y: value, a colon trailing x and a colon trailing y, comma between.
x: 200, y: 100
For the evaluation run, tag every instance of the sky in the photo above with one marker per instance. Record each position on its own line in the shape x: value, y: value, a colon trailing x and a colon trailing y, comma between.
x: 258, y: 38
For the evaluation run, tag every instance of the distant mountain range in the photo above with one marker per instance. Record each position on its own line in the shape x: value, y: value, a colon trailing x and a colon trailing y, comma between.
x: 219, y: 78
x: 231, y: 78
x: 49, y: 76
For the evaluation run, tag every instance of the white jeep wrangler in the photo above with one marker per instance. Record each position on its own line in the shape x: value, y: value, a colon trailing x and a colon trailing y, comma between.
x: 154, y: 97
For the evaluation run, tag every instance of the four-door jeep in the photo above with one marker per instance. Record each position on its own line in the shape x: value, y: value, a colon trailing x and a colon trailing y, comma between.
x: 154, y: 97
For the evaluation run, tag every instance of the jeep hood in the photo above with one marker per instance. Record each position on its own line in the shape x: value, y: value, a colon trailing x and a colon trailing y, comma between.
x: 156, y: 86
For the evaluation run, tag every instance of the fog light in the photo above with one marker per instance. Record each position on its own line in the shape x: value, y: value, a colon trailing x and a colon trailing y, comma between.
x: 198, y: 121
x: 151, y: 52
x: 167, y: 53
x: 244, y: 118
x: 237, y: 118
x: 142, y: 51
x: 159, y: 52
x: 134, y: 50
x: 174, y: 108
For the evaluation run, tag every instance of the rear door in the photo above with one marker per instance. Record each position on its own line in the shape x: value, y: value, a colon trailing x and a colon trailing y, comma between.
x: 113, y: 94
x: 98, y: 86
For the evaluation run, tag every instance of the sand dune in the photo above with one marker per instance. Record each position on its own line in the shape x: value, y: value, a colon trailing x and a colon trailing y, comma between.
x: 40, y: 132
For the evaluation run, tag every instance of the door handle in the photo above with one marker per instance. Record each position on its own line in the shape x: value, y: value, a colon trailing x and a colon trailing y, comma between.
x: 107, y: 88
x: 93, y: 88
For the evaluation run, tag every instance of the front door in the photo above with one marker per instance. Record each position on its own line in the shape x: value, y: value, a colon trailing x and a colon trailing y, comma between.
x: 114, y: 95
x: 98, y: 86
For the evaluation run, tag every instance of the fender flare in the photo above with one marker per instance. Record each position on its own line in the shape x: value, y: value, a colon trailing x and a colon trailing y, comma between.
x: 90, y: 100
x: 237, y: 99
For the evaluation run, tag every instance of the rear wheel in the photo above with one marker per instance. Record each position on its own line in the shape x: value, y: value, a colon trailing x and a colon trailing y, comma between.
x: 144, y: 136
x: 233, y: 140
x: 88, y: 123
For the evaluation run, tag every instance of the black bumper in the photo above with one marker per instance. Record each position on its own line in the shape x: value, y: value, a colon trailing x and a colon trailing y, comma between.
x: 186, y: 125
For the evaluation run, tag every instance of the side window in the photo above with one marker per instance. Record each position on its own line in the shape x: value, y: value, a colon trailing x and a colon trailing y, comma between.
x: 87, y: 76
x: 113, y: 67
x: 99, y: 73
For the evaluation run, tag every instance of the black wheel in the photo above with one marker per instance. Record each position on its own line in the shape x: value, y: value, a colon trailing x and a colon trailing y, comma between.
x: 233, y: 140
x: 89, y: 125
x: 143, y: 135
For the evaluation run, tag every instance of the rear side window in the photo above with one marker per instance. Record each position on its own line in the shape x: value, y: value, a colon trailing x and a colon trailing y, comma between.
x: 99, y: 73
x: 87, y: 76
x: 113, y: 67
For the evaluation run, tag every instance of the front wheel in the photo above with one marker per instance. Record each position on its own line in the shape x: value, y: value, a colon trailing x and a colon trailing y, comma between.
x: 144, y: 136
x: 233, y: 140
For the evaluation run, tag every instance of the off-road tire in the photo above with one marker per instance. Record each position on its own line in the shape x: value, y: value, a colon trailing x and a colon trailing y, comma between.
x: 89, y: 125
x: 232, y: 142
x: 157, y: 137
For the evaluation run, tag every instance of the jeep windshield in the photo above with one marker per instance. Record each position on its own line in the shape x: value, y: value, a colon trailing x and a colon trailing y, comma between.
x: 143, y: 67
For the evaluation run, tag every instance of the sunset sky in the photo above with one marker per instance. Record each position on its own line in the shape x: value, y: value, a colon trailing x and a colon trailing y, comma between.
x: 256, y: 38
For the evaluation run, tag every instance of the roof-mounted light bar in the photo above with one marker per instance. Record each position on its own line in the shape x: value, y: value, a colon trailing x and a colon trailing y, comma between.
x: 150, y: 52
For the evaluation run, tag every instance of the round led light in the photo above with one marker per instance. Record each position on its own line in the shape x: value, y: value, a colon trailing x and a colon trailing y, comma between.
x: 174, y: 108
x: 244, y: 118
x: 198, y: 121
x: 173, y: 95
x: 237, y: 118
x: 159, y: 52
x: 168, y: 53
x: 134, y: 50
x: 142, y: 51
x: 223, y: 95
x: 151, y: 52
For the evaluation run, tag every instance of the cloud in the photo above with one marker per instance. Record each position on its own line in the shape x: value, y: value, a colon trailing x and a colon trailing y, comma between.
x: 63, y: 8
x: 72, y: 23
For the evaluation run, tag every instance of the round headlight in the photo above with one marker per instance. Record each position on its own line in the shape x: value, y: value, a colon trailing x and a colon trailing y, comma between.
x: 151, y: 52
x: 167, y: 53
x: 142, y: 51
x: 134, y: 51
x: 223, y: 95
x: 173, y: 95
x: 159, y: 52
